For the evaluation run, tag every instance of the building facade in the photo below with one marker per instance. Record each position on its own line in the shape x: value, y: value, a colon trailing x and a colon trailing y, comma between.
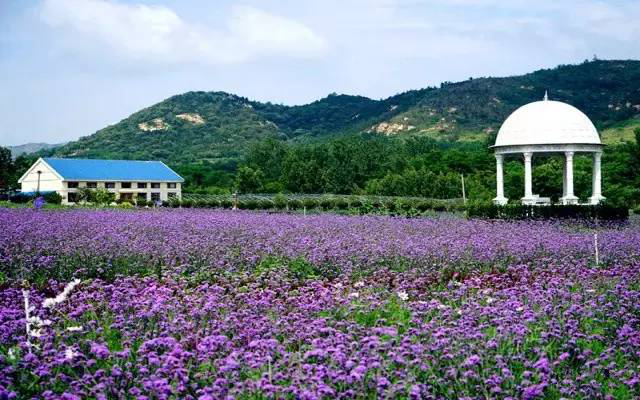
x: 128, y: 180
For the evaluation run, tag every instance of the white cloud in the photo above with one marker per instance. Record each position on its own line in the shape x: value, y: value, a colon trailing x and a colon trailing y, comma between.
x: 157, y: 34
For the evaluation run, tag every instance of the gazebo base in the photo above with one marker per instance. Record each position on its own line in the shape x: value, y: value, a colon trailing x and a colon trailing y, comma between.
x: 500, y: 201
x: 569, y: 200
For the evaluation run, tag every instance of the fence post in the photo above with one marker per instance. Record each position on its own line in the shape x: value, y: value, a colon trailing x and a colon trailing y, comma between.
x: 595, y: 242
x: 464, y: 195
x: 235, y: 201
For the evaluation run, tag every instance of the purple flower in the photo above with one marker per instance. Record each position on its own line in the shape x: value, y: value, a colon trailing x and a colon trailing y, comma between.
x: 100, y: 351
x: 533, y: 391
x: 471, y: 361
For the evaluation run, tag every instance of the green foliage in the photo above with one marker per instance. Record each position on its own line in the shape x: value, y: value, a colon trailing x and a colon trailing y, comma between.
x: 99, y: 196
x: 297, y: 268
x: 52, y: 198
x: 6, y: 167
x: 249, y: 180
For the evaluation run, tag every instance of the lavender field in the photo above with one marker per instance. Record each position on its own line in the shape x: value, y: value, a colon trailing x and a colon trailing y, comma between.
x: 202, y: 304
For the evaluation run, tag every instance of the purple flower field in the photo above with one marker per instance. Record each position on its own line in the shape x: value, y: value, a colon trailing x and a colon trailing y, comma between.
x: 203, y: 304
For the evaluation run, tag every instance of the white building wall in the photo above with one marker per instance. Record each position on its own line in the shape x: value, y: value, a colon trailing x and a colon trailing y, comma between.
x: 134, y: 190
x: 49, y: 181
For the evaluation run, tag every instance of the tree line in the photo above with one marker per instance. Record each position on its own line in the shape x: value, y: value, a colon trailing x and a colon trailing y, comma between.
x: 393, y: 166
x: 421, y: 166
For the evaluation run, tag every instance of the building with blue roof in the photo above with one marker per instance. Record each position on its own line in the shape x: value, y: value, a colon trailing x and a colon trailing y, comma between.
x: 130, y: 180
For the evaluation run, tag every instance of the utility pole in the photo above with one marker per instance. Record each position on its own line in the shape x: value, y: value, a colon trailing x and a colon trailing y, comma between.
x: 38, y: 189
x: 464, y: 195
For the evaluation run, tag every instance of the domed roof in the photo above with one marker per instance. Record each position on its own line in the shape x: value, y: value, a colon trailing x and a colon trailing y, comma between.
x: 547, y: 122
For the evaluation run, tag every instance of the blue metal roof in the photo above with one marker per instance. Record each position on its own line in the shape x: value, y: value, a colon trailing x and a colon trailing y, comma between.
x: 112, y: 170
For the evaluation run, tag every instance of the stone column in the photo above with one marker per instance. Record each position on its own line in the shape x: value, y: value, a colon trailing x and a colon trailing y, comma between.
x: 596, y: 182
x: 499, y: 199
x: 528, y: 186
x: 564, y: 179
x: 569, y: 197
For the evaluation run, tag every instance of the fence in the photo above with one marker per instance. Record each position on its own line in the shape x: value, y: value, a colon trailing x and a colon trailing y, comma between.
x: 273, y: 198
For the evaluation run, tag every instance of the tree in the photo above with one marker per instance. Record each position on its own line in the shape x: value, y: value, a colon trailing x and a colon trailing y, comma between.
x: 6, y: 168
x: 267, y: 156
x: 249, y: 180
x: 20, y: 165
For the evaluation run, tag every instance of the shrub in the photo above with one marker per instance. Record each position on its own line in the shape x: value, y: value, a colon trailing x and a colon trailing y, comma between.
x: 520, y: 211
x: 249, y: 204
x: 326, y: 203
x: 49, y: 197
x: 310, y: 203
x: 356, y: 203
x: 390, y: 206
x: 212, y: 203
x: 52, y: 198
x: 280, y: 201
x: 341, y: 204
x: 295, y: 204
x: 226, y: 203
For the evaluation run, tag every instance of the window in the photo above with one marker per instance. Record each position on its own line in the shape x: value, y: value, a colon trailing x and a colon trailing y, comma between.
x: 110, y: 185
x: 172, y: 195
x: 142, y: 196
x: 142, y: 185
x: 155, y: 196
x: 72, y: 185
x: 155, y: 185
x: 126, y: 196
x: 92, y: 185
x: 171, y: 185
x: 72, y: 197
x: 125, y: 185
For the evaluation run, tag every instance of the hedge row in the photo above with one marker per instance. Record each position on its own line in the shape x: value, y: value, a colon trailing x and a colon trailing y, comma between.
x: 518, y: 211
x: 49, y: 197
x: 398, y: 206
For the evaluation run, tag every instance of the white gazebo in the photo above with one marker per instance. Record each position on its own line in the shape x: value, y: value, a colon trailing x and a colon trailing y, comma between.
x: 546, y: 128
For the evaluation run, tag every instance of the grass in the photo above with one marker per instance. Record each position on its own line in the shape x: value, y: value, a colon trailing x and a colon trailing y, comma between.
x: 621, y: 132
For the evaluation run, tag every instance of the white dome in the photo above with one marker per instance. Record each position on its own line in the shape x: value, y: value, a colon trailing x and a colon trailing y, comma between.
x: 547, y: 122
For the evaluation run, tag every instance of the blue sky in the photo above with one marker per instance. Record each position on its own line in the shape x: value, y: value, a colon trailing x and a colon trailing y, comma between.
x: 71, y: 67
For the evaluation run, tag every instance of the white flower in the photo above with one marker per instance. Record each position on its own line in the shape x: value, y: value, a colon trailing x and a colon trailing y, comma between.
x: 35, y: 332
x: 403, y: 296
x: 520, y: 309
x: 358, y: 284
x: 11, y: 354
x: 50, y: 302
x: 354, y: 295
x: 70, y: 354
x: 490, y: 300
x: 74, y: 328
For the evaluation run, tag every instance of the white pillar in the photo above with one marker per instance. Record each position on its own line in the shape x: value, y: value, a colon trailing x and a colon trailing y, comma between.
x: 564, y: 179
x: 596, y: 180
x: 499, y: 199
x: 569, y: 197
x: 528, y: 186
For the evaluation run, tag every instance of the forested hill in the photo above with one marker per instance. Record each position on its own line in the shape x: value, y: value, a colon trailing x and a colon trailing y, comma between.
x: 215, y: 128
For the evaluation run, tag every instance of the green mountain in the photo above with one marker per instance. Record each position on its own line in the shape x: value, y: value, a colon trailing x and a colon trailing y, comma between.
x: 215, y: 129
